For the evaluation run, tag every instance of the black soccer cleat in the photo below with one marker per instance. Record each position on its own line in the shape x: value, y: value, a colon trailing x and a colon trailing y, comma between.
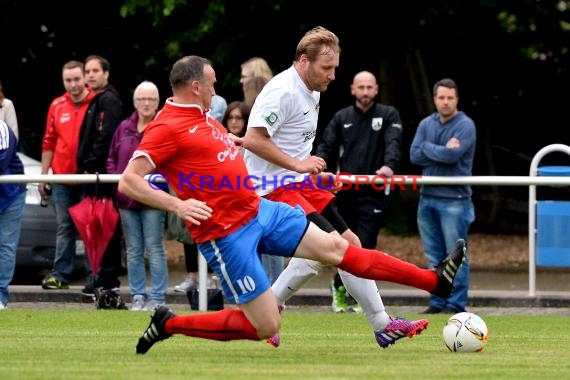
x: 154, y: 333
x: 448, y: 268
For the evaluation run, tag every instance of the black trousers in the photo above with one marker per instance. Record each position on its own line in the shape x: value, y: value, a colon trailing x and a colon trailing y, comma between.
x: 191, y: 258
x: 364, y: 215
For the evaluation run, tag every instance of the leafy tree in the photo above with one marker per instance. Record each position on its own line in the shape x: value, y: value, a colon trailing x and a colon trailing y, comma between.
x: 510, y: 58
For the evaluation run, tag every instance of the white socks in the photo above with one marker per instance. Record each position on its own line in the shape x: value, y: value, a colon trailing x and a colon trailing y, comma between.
x: 300, y: 271
x: 297, y: 273
x: 366, y: 293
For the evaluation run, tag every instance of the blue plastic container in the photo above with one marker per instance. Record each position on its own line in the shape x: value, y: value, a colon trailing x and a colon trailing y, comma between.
x: 553, y: 225
x: 553, y: 233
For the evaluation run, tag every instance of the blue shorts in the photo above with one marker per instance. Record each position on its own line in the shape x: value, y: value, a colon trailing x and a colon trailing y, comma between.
x: 276, y: 230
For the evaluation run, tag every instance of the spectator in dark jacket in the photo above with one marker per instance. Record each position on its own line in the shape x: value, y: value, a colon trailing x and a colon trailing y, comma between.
x: 101, y: 120
x: 364, y: 138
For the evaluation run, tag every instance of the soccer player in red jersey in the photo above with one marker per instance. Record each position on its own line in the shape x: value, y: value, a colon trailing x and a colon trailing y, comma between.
x: 231, y: 223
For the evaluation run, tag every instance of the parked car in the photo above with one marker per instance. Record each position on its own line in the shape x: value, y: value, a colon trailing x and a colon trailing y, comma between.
x: 36, y: 250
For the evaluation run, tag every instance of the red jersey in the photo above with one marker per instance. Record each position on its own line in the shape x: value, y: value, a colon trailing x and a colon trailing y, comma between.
x: 62, y: 132
x: 194, y: 152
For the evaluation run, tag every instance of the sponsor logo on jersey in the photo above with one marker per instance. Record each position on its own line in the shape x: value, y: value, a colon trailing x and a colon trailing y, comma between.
x: 270, y: 117
x: 309, y: 135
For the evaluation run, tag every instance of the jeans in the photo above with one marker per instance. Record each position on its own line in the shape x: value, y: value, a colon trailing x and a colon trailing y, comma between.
x: 11, y: 221
x: 441, y: 221
x: 144, y: 229
x: 64, y: 197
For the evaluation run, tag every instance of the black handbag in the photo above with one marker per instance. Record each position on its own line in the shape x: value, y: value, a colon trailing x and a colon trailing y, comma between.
x: 215, y: 299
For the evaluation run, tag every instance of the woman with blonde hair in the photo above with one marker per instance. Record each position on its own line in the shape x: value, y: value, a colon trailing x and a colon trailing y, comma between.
x: 254, y: 67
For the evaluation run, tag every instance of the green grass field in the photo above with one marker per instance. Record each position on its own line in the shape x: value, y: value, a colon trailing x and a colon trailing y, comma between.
x: 100, y: 344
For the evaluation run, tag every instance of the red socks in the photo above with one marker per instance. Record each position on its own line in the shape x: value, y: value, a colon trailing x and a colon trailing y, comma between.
x: 228, y: 324
x: 231, y: 324
x: 377, y: 265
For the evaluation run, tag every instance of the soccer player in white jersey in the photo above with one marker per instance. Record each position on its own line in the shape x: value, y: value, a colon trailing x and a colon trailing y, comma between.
x: 279, y: 139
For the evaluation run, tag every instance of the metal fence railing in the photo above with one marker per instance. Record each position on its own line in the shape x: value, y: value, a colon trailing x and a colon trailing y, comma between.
x: 403, y: 182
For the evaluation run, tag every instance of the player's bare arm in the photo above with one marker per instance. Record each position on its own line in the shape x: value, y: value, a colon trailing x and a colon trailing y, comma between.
x: 258, y: 141
x: 134, y: 185
x: 237, y: 140
x: 328, y: 181
x: 194, y: 211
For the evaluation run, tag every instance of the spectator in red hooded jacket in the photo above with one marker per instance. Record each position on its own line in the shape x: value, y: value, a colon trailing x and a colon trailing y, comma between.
x: 59, y: 152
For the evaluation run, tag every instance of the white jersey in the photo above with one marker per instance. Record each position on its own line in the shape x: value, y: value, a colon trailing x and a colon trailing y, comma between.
x: 289, y: 111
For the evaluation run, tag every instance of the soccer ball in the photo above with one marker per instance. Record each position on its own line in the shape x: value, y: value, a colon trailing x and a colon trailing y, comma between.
x: 465, y: 332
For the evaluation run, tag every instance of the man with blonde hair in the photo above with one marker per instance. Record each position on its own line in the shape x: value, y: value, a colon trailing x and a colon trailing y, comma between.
x: 279, y: 140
